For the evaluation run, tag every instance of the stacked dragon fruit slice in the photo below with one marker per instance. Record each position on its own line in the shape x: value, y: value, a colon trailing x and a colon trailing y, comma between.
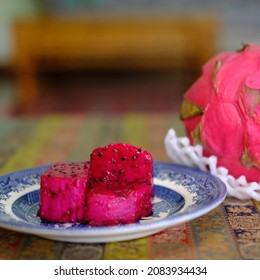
x: 121, y: 188
x: 114, y: 187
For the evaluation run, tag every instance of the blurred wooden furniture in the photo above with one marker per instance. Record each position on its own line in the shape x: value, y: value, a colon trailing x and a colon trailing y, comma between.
x: 108, y: 43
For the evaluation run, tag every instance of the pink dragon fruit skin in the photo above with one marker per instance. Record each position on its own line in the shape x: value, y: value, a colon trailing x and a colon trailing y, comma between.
x: 221, y: 111
x: 121, y: 186
x: 63, y: 192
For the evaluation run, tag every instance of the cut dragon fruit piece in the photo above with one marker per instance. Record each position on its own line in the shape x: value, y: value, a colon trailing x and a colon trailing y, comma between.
x: 63, y: 192
x: 121, y: 162
x: 115, y: 187
x: 121, y: 185
x: 108, y: 207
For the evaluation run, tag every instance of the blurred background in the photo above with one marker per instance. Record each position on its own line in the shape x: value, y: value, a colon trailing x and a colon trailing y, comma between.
x: 112, y: 55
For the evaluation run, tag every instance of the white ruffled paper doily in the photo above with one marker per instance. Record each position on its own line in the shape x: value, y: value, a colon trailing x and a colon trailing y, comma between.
x: 180, y: 151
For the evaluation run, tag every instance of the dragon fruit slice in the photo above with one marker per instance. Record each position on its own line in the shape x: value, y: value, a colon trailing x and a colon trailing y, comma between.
x: 121, y: 161
x: 63, y: 192
x: 121, y: 187
x: 221, y: 111
x: 107, y: 206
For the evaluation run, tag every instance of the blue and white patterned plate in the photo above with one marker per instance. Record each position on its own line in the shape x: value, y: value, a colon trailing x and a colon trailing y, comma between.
x: 181, y: 194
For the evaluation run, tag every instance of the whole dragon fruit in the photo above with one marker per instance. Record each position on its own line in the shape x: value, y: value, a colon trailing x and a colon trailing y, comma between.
x: 221, y: 111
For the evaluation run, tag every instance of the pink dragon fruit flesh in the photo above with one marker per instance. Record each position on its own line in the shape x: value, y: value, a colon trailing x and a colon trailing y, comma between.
x: 108, y: 206
x: 221, y: 111
x: 121, y: 187
x: 63, y: 192
x: 121, y: 161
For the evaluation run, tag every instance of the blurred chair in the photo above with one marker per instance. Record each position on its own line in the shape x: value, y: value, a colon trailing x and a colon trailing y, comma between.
x: 147, y: 44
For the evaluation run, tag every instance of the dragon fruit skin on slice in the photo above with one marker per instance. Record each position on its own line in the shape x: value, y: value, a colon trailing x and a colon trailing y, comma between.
x: 63, y: 192
x: 121, y: 185
x: 221, y: 111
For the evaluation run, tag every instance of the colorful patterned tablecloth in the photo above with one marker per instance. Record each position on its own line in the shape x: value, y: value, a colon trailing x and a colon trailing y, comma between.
x: 230, y: 231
